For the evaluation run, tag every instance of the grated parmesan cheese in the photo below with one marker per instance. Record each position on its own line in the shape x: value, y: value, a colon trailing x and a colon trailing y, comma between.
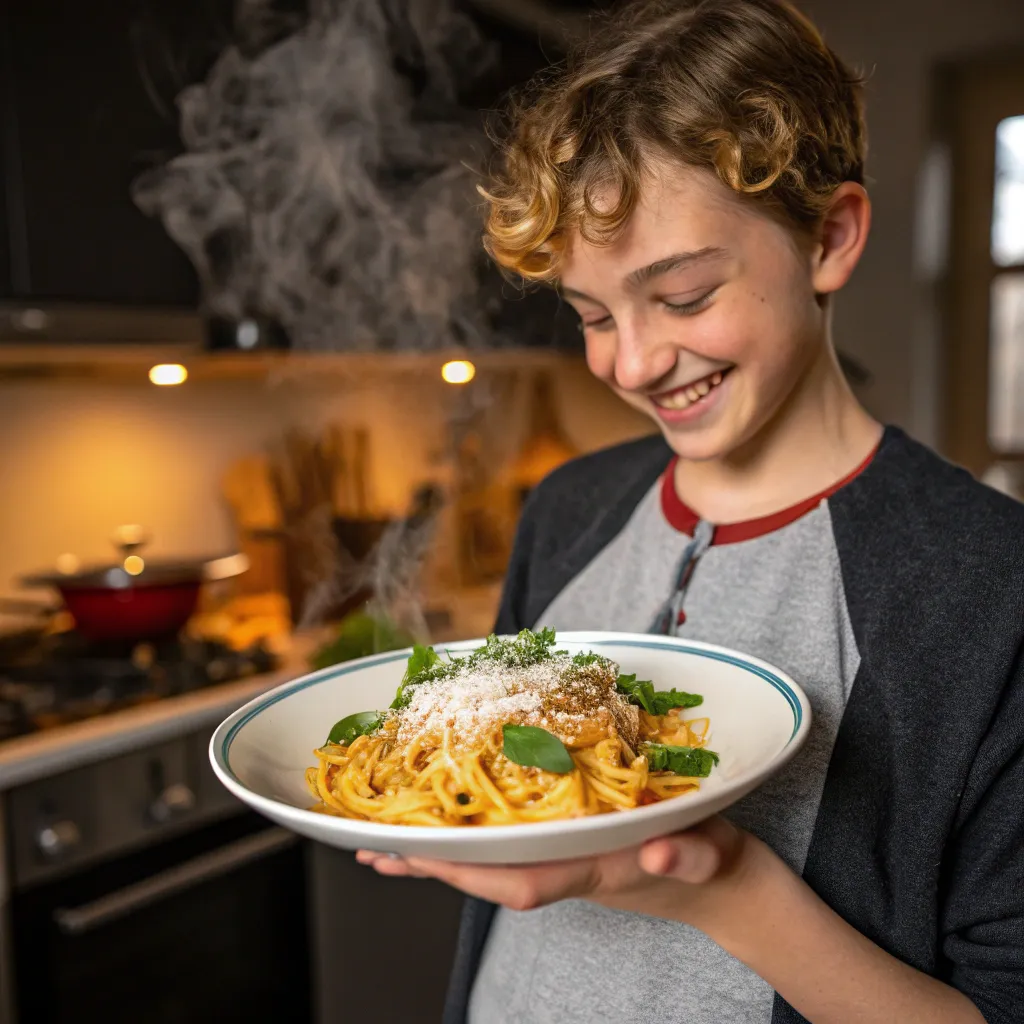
x: 475, y: 700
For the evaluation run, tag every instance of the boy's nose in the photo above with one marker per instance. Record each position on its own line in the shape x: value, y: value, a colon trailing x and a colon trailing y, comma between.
x: 642, y: 362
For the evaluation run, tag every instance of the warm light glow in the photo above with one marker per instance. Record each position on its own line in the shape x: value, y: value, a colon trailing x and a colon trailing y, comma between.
x: 166, y: 374
x: 458, y: 371
x: 130, y: 535
x: 134, y: 564
x: 68, y: 564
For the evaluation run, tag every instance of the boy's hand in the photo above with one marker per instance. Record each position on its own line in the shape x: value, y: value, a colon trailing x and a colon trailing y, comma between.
x: 682, y: 876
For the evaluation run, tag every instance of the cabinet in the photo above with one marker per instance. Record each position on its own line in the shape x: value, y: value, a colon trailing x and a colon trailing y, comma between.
x: 86, y: 104
x: 79, y: 123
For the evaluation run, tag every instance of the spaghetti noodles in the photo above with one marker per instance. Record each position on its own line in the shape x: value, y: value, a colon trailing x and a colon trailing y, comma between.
x: 516, y: 732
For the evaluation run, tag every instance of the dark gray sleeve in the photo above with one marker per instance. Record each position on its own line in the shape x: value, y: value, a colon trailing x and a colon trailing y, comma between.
x: 919, y: 840
x: 983, y: 919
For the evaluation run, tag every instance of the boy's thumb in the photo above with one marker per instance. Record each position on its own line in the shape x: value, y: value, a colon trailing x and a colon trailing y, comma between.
x: 694, y: 856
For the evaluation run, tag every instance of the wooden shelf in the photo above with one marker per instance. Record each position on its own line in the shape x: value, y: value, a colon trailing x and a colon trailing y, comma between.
x: 131, y: 363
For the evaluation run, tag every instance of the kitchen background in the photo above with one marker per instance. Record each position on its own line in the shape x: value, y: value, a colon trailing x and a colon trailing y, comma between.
x: 242, y: 313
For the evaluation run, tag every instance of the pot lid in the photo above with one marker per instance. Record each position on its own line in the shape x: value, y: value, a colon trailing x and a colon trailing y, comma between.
x: 131, y: 569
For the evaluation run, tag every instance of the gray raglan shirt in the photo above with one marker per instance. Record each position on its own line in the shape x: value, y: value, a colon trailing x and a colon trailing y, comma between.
x: 778, y: 596
x: 898, y: 604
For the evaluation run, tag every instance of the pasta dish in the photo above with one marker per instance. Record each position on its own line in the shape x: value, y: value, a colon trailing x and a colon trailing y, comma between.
x: 514, y: 732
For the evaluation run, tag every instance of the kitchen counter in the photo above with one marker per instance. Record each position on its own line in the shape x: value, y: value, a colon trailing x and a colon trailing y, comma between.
x: 51, y: 751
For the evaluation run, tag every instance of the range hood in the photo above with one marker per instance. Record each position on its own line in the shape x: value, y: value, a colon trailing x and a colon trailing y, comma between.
x: 34, y: 323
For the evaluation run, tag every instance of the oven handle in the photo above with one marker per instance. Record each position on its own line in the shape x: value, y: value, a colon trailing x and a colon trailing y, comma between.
x: 122, y: 902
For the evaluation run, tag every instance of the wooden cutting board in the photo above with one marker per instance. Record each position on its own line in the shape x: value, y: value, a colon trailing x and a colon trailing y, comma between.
x: 247, y: 489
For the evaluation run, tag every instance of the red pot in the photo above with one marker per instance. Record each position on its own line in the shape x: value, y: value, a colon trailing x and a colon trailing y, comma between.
x: 146, y: 612
x: 137, y: 599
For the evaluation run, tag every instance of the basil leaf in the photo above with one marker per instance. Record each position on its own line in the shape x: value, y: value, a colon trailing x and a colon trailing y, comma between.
x: 665, y: 700
x: 535, y: 747
x: 692, y: 761
x: 641, y: 692
x: 421, y: 659
x: 417, y: 668
x: 655, y: 702
x: 362, y: 723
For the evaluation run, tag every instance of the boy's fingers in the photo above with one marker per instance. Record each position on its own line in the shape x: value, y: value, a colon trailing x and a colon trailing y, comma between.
x: 695, y: 856
x: 693, y: 859
x: 388, y: 864
x: 517, y: 888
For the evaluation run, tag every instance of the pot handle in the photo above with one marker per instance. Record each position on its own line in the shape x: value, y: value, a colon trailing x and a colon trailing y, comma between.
x: 130, y: 538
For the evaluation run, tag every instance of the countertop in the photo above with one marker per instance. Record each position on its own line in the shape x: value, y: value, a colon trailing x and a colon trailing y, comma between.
x: 51, y: 751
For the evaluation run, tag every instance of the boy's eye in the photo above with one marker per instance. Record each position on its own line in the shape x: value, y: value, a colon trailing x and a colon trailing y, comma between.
x: 602, y: 323
x: 689, y: 308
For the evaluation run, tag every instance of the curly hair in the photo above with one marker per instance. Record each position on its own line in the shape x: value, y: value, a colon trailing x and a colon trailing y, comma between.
x: 747, y: 89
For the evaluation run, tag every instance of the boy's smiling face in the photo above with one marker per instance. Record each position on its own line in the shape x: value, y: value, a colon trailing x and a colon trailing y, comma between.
x: 704, y: 313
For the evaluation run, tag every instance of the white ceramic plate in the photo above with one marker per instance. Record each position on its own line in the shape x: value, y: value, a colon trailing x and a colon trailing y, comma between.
x: 759, y: 719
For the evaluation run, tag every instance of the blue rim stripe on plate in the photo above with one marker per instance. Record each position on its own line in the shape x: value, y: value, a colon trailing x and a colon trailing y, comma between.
x: 769, y: 677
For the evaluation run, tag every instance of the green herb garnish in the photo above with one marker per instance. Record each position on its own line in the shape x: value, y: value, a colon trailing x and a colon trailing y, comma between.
x: 528, y: 648
x: 423, y: 665
x: 362, y: 723
x: 535, y: 747
x: 587, y: 658
x: 655, y: 702
x: 665, y: 700
x: 691, y: 761
x: 359, y: 635
x: 639, y: 692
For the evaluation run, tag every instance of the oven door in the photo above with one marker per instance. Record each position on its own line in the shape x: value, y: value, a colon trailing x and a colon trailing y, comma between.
x: 207, y: 926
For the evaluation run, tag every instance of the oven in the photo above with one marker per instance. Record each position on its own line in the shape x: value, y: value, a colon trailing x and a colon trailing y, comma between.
x: 139, y: 889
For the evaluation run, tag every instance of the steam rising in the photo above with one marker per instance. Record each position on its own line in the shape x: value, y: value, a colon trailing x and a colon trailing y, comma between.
x: 390, y: 573
x: 325, y: 181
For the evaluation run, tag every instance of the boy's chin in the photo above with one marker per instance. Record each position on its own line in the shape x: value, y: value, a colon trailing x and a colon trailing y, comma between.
x: 695, y: 446
x: 700, y: 442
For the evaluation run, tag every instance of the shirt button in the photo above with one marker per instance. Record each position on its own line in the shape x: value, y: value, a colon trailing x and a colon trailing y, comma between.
x: 681, y: 617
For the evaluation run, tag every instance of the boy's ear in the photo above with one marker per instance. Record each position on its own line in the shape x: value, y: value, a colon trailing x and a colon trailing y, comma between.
x: 841, y: 238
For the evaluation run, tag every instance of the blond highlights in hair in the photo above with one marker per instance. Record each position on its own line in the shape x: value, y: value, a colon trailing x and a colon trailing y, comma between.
x: 747, y: 89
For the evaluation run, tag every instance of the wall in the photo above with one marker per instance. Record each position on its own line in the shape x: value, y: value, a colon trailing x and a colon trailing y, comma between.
x: 885, y: 317
x: 81, y: 458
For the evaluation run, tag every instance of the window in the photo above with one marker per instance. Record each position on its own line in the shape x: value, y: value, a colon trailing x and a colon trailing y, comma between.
x: 1008, y: 206
x: 980, y: 284
x: 1006, y: 363
x: 1006, y: 296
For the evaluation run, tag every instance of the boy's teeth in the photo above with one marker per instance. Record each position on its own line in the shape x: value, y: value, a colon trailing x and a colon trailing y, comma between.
x: 694, y: 393
x: 677, y: 400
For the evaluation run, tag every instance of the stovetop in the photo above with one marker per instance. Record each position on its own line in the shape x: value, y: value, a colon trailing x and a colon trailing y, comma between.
x: 64, y: 678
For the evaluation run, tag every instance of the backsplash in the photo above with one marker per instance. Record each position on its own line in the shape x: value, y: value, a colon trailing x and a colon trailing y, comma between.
x: 81, y: 458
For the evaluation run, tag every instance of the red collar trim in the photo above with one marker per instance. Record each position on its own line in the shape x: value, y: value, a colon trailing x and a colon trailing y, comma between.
x: 683, y: 518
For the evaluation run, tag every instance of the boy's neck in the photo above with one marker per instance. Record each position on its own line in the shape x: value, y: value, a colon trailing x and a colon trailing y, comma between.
x: 821, y: 435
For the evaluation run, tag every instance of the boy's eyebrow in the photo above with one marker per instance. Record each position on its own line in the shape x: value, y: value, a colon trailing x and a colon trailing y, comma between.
x: 681, y: 259
x: 572, y: 293
x: 644, y: 274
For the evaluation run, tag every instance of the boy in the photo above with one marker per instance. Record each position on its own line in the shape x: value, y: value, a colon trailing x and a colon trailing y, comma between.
x: 693, y: 185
